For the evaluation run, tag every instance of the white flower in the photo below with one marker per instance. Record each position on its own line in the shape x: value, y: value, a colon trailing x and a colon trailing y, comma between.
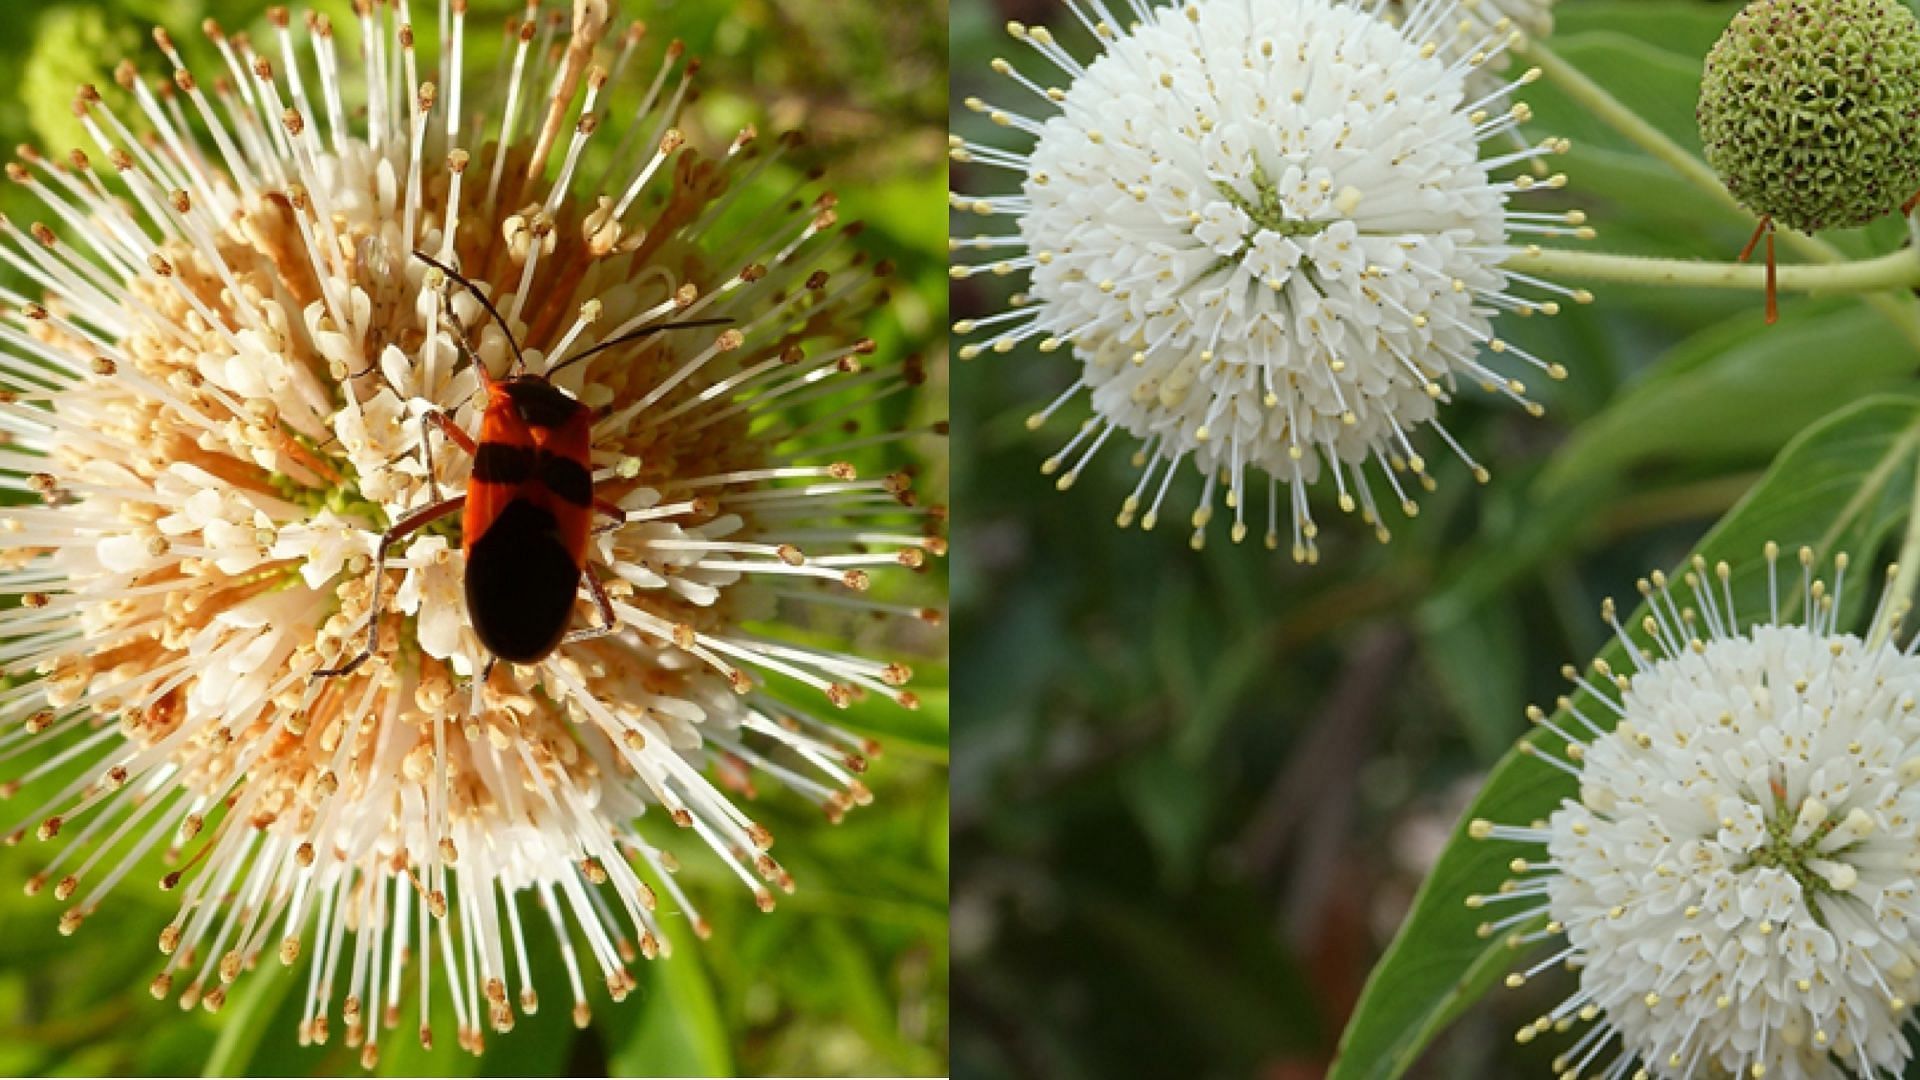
x: 217, y: 409
x: 1736, y: 881
x: 1267, y: 231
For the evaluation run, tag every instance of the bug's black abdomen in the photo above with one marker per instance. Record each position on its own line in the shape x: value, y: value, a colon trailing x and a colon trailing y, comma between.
x: 521, y: 583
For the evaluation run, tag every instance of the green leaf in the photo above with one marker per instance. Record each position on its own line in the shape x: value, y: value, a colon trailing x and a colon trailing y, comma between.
x: 1841, y: 486
x: 678, y: 1030
x: 1476, y: 660
x: 1737, y: 390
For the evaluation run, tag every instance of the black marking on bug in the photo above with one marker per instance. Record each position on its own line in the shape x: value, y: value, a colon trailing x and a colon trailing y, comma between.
x: 521, y: 582
x: 540, y: 403
x: 567, y: 479
x: 503, y: 463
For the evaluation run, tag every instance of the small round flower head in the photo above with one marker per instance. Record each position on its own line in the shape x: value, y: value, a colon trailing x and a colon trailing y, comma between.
x: 217, y: 404
x: 1810, y: 110
x: 1268, y: 236
x: 1735, y: 881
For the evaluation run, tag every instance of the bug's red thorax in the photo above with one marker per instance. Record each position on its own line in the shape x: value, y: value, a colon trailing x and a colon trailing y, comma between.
x: 533, y: 447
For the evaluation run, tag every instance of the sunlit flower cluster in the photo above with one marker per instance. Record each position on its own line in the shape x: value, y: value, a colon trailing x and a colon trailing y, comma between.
x: 213, y: 407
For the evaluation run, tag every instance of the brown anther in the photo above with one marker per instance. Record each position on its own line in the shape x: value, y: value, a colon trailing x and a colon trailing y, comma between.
x: 752, y: 273
x: 293, y: 121
x: 182, y: 202
x: 289, y: 951
x: 161, y: 986
x: 790, y: 555
x: 593, y: 871
x: 126, y: 74
x: 170, y: 939
x: 18, y: 173
x: 70, y: 920
x: 448, y: 851
x: 120, y: 160
x: 911, y: 558
x: 34, y: 311
x: 49, y: 828
x: 842, y: 470
x: 681, y: 817
x: 171, y: 881
x: 158, y: 264
x: 817, y: 280
x: 857, y: 580
x: 104, y: 366
x: 35, y: 883
x: 263, y: 68
x: 35, y: 600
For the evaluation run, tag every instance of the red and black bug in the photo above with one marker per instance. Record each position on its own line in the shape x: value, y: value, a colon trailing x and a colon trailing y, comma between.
x: 528, y: 504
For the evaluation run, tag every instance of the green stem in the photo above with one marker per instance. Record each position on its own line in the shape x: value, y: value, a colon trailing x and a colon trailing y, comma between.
x: 1894, y: 271
x: 1906, y: 574
x: 1630, y: 124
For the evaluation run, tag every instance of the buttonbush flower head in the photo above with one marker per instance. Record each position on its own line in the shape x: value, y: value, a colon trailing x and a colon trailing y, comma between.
x: 213, y: 409
x: 1810, y: 111
x: 1267, y: 234
x: 1736, y: 880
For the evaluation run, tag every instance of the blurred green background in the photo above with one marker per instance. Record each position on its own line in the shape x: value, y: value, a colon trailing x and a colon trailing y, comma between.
x: 1193, y: 793
x: 849, y: 975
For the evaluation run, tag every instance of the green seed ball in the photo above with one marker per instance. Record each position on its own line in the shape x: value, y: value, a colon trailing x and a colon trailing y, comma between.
x: 1810, y: 110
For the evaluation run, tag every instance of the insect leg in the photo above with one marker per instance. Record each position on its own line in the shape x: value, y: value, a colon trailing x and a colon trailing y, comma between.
x: 607, y: 625
x: 402, y: 529
x: 447, y: 428
x: 618, y: 515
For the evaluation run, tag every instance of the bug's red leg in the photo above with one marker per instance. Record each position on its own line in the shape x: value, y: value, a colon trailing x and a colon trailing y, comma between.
x: 607, y: 625
x: 452, y: 431
x: 402, y: 529
x: 618, y: 515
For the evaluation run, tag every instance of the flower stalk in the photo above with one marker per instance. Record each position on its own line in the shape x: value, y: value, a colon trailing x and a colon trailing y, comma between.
x: 1894, y: 271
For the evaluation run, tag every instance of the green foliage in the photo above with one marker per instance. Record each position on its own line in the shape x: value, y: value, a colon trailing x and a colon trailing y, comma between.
x: 848, y: 976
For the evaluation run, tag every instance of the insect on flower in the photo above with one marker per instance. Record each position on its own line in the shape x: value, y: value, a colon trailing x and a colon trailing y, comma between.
x: 525, y: 530
x: 218, y: 410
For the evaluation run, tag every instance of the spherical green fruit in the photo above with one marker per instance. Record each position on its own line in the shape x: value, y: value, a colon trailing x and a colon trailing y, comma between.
x: 1810, y: 110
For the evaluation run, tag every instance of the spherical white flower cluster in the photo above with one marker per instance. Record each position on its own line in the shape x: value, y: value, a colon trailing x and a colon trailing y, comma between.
x: 1269, y: 236
x: 1737, y: 880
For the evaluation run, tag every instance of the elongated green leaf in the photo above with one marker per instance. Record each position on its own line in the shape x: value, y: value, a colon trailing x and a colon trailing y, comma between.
x: 1738, y: 389
x: 1840, y: 486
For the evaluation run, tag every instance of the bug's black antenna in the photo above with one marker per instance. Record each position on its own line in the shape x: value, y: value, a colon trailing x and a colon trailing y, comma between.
x: 635, y: 336
x: 519, y: 362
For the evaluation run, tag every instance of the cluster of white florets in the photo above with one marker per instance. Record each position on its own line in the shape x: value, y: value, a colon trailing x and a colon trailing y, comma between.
x: 1736, y: 881
x: 1269, y: 235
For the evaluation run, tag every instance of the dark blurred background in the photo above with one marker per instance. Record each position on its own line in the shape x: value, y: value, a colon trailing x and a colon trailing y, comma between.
x: 1193, y: 793
x: 849, y: 976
